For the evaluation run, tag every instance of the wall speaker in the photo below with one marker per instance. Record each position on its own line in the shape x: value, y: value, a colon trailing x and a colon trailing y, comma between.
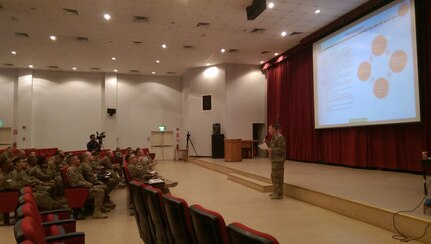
x: 111, y: 111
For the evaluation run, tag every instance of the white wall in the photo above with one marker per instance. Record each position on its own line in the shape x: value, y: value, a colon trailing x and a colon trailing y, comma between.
x: 144, y: 103
x: 60, y: 109
x: 66, y: 108
x: 198, y: 82
x: 246, y: 96
x: 8, y: 78
x: 239, y: 100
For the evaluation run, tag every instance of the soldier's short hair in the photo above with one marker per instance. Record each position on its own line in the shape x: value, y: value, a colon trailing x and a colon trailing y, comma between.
x: 15, y: 160
x: 32, y: 160
x: 69, y: 158
x: 128, y: 156
x: 92, y: 135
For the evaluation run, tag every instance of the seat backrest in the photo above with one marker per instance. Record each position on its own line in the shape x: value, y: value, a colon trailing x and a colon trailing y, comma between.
x: 178, y: 219
x: 142, y: 217
x: 27, y: 229
x: 29, y: 209
x: 153, y: 200
x: 209, y: 226
x: 64, y: 176
x: 126, y: 173
x: 239, y: 234
x: 9, y: 201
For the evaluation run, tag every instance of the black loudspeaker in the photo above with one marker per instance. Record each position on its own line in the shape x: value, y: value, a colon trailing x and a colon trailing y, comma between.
x: 216, y: 129
x: 217, y: 145
x: 111, y: 111
x: 255, y: 9
x: 206, y: 102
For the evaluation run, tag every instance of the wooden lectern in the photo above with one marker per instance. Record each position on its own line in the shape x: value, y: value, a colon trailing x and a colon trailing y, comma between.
x: 232, y: 150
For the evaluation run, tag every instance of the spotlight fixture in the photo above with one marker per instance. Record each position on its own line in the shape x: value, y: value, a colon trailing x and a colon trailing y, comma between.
x: 283, y: 34
x: 153, y: 73
x: 115, y: 70
x: 223, y: 50
x: 158, y: 61
x: 30, y: 66
x: 74, y: 68
x: 275, y: 54
x: 261, y: 62
x: 164, y: 46
x: 53, y: 38
x: 107, y: 16
x: 271, y: 5
x: 13, y: 52
x: 114, y: 58
x: 317, y: 11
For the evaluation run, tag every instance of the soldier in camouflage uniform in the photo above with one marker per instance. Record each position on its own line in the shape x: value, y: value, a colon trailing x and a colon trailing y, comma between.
x: 277, y: 154
x: 107, y: 169
x: 40, y: 189
x: 140, y: 172
x: 36, y: 171
x: 97, y: 192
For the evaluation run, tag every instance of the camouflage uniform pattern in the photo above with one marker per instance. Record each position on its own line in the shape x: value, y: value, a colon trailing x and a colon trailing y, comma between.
x: 44, y: 200
x: 76, y: 179
x: 38, y: 173
x: 139, y: 172
x: 278, y: 156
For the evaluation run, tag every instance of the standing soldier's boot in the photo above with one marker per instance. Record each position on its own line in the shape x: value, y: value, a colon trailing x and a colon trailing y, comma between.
x: 98, y: 204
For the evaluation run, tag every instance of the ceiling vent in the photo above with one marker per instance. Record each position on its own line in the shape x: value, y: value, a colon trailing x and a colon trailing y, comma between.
x: 258, y: 30
x: 82, y: 39
x: 170, y: 73
x: 53, y: 66
x: 233, y: 51
x: 295, y: 33
x: 265, y: 52
x: 95, y: 68
x: 188, y: 47
x: 134, y: 71
x: 21, y: 34
x: 8, y: 64
x: 138, y: 42
x: 202, y: 24
x: 68, y: 11
x: 141, y: 19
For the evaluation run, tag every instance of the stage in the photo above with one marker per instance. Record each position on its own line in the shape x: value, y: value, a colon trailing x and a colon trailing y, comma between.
x: 371, y: 196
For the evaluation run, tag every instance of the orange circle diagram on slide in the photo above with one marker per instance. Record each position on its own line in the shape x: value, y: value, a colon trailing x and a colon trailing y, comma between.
x: 403, y: 9
x: 364, y: 71
x: 379, y: 45
x: 398, y: 61
x: 381, y: 88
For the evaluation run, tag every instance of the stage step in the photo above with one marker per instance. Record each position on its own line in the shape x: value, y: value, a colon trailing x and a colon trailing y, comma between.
x: 250, y: 182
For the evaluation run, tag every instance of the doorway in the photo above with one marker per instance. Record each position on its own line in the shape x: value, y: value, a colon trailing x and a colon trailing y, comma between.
x: 259, y: 133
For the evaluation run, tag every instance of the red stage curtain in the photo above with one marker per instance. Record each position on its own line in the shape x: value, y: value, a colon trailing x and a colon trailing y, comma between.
x: 290, y: 102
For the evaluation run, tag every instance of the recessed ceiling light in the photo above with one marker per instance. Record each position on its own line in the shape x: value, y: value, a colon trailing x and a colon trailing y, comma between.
x: 13, y: 52
x: 114, y: 58
x: 164, y: 46
x: 153, y: 72
x: 261, y: 62
x: 223, y: 50
x: 107, y: 16
x: 317, y: 11
x: 115, y: 70
x: 283, y: 33
x: 208, y: 64
x: 158, y: 61
x: 53, y: 38
x: 30, y: 66
x: 275, y: 54
x: 74, y: 68
x: 271, y: 5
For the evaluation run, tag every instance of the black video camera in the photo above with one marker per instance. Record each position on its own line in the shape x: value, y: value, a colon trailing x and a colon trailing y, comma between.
x: 100, y: 136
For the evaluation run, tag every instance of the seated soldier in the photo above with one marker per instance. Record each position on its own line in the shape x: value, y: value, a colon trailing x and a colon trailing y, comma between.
x: 36, y: 171
x: 89, y: 175
x: 145, y: 159
x: 140, y: 172
x: 40, y: 189
x: 107, y: 170
x: 96, y: 192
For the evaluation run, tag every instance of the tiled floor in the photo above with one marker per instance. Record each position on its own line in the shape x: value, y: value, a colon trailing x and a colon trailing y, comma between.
x: 289, y: 220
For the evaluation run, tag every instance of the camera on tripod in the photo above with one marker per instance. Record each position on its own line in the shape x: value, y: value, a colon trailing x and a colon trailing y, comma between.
x: 100, y: 136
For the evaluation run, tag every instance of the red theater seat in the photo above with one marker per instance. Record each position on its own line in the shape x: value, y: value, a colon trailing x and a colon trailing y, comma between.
x: 76, y: 196
x: 8, y: 204
x: 153, y: 200
x: 241, y: 234
x: 178, y: 219
x: 26, y: 229
x: 142, y: 216
x: 209, y: 226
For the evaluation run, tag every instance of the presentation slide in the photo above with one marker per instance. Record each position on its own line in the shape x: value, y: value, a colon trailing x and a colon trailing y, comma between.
x: 366, y: 73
